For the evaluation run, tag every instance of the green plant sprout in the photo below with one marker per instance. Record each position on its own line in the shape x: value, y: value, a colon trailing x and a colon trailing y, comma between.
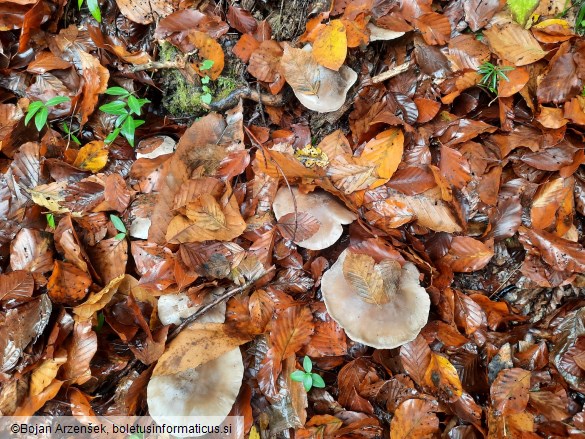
x: 40, y: 110
x: 93, y: 7
x: 124, y: 108
x: 50, y: 220
x: 206, y: 97
x: 306, y: 377
x: 492, y: 75
x: 120, y: 227
x: 70, y: 134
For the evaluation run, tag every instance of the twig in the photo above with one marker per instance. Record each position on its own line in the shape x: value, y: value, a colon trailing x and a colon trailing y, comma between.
x: 394, y: 71
x: 155, y: 65
x: 213, y: 303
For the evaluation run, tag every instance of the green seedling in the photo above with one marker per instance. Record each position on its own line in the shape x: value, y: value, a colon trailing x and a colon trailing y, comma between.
x: 492, y: 75
x: 100, y: 322
x: 306, y: 377
x: 40, y: 110
x: 70, y: 134
x: 125, y: 107
x: 50, y: 220
x: 93, y: 7
x: 120, y: 227
x: 206, y: 97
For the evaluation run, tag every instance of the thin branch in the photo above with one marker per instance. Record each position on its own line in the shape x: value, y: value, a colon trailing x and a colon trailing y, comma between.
x: 155, y: 65
x: 215, y: 302
x: 394, y: 71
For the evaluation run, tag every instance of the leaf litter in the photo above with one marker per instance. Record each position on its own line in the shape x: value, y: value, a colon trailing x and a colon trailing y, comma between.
x: 421, y: 153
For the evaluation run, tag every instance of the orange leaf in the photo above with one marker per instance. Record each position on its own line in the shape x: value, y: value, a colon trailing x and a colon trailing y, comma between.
x: 292, y: 330
x: 414, y: 419
x: 330, y: 46
x: 454, y: 167
x: 92, y: 157
x: 208, y: 49
x: 517, y: 79
x: 435, y: 28
x: 416, y: 357
x: 385, y: 151
x: 245, y: 46
x: 298, y: 227
x: 467, y: 254
x: 67, y: 283
x: 80, y: 350
x: 509, y: 392
x: 357, y: 34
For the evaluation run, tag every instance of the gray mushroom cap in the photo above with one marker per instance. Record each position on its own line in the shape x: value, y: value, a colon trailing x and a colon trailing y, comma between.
x: 382, y: 326
x: 324, y: 207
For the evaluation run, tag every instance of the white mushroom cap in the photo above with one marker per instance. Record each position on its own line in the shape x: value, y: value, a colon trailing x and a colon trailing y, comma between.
x: 322, y: 206
x: 332, y: 90
x: 383, y: 326
x: 208, y: 390
x: 380, y: 34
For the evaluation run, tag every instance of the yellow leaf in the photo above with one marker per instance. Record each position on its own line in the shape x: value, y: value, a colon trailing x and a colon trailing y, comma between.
x: 330, y: 46
x: 441, y: 376
x: 44, y: 374
x: 254, y: 433
x: 206, y: 212
x: 385, y: 151
x: 92, y: 157
x: 97, y: 301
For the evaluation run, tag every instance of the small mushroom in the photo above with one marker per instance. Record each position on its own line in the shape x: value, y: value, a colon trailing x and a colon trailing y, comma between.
x: 208, y: 390
x: 380, y: 305
x: 174, y: 308
x: 322, y: 206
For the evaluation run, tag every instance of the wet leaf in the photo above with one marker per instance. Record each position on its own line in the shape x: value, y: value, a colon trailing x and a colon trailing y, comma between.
x: 414, y: 418
x: 509, y: 392
x: 330, y: 45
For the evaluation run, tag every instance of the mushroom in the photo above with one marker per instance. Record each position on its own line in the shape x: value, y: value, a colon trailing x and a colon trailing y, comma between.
x: 380, y: 34
x: 380, y: 305
x: 207, y: 391
x: 322, y: 206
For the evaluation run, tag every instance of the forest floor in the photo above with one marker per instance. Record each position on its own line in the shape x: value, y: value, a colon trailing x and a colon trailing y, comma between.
x: 350, y: 219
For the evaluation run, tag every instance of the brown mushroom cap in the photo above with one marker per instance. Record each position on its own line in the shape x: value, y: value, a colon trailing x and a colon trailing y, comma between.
x: 324, y: 207
x: 383, y: 326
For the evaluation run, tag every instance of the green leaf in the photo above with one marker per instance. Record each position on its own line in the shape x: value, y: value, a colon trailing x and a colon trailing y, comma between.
x: 128, y: 130
x: 138, y: 122
x: 117, y: 91
x: 120, y: 236
x: 121, y: 119
x: 94, y: 8
x: 79, y: 3
x: 112, y: 136
x: 50, y: 220
x: 307, y: 364
x: 522, y: 9
x: 206, y: 64
x: 205, y: 80
x: 57, y: 100
x: 75, y: 139
x: 32, y: 109
x: 317, y: 381
x: 41, y: 118
x: 100, y: 321
x: 116, y: 108
x: 308, y: 381
x: 206, y: 98
x: 118, y: 223
x: 134, y: 105
x: 297, y: 375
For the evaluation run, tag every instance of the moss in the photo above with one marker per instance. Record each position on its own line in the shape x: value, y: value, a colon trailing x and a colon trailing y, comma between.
x: 181, y: 98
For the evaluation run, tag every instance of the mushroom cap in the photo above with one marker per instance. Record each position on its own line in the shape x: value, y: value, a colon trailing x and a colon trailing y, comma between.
x: 384, y: 326
x: 174, y: 308
x: 380, y: 34
x: 324, y: 207
x: 208, y: 390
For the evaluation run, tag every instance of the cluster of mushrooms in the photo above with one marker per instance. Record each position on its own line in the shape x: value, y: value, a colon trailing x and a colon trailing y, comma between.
x: 396, y: 317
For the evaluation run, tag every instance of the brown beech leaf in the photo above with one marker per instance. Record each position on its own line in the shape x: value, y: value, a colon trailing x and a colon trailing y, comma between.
x: 441, y: 376
x: 292, y: 330
x: 116, y: 193
x: 467, y: 254
x: 454, y: 167
x: 68, y: 284
x: 512, y: 42
x: 81, y: 405
x: 549, y: 404
x: 559, y: 253
x: 145, y: 12
x: 46, y: 372
x: 416, y: 357
x: 298, y: 227
x: 97, y: 301
x: 95, y: 82
x: 350, y: 378
x: 109, y: 258
x: 517, y: 79
x: 80, y: 350
x: 208, y: 49
x: 245, y: 47
x: 34, y: 403
x: 414, y: 418
x: 468, y: 314
x: 30, y: 250
x: 241, y: 20
x: 510, y: 391
x: 435, y: 28
x: 17, y: 285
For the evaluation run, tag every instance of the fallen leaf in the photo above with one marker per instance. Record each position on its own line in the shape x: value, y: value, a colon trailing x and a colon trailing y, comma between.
x: 68, y: 284
x: 330, y: 45
x: 509, y: 392
x: 414, y: 418
x: 92, y: 157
